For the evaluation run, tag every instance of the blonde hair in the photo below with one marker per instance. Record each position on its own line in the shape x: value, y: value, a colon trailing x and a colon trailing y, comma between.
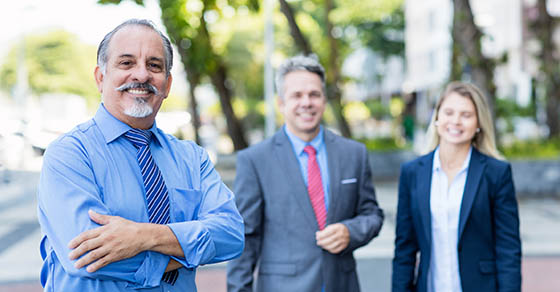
x: 484, y: 140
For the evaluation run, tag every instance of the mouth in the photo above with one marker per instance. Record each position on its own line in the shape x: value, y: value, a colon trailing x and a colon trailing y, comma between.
x: 455, y: 132
x: 138, y: 88
x: 137, y: 91
x: 306, y: 115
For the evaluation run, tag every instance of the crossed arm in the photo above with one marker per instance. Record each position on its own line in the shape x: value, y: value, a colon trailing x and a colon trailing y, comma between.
x: 119, y: 239
x: 71, y: 205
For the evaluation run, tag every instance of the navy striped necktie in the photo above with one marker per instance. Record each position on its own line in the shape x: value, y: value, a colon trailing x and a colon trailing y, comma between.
x: 157, y: 196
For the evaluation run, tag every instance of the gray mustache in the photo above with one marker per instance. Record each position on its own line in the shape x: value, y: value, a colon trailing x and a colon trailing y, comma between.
x: 136, y: 85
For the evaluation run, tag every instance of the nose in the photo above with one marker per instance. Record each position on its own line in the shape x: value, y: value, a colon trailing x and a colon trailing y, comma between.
x: 306, y: 100
x: 141, y: 74
x: 456, y: 119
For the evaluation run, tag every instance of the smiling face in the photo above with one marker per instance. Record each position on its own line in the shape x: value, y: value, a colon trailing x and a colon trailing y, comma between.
x: 303, y: 103
x: 456, y: 120
x: 135, y: 82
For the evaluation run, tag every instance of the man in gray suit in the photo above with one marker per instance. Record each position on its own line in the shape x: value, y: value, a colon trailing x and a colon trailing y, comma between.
x: 306, y: 195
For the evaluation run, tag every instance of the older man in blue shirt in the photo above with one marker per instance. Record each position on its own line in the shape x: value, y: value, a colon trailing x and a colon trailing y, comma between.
x: 122, y: 205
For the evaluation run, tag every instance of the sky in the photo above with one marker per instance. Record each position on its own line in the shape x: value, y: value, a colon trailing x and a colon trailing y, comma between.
x: 87, y: 19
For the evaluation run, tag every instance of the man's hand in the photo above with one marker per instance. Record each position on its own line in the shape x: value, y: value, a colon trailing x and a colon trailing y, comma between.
x: 117, y: 239
x: 334, y: 238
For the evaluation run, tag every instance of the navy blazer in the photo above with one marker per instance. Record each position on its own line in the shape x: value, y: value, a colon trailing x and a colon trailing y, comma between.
x: 489, y: 245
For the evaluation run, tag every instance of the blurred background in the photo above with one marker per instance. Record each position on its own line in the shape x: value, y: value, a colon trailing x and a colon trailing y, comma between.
x: 386, y: 61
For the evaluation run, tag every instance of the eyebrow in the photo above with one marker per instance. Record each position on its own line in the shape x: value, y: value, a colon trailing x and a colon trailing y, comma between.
x: 126, y: 56
x: 156, y: 59
x: 460, y: 111
x: 150, y: 59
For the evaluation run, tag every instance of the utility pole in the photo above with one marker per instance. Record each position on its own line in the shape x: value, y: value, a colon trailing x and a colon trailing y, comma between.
x: 270, y: 119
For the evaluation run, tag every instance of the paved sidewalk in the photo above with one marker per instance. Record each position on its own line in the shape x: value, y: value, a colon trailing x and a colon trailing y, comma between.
x: 20, y: 262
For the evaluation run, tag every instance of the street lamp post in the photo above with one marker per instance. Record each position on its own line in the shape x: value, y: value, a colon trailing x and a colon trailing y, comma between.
x: 270, y: 121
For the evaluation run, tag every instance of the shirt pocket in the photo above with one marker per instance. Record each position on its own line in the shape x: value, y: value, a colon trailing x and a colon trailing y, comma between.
x: 184, y: 204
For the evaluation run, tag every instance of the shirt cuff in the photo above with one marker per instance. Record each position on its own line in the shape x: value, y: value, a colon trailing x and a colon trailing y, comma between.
x: 151, y: 271
x: 196, y: 243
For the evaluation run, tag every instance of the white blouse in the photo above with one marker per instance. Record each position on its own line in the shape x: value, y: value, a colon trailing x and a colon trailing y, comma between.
x: 445, y: 208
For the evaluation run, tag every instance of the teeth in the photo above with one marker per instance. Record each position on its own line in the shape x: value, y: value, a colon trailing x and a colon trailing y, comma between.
x: 454, y: 131
x: 138, y: 91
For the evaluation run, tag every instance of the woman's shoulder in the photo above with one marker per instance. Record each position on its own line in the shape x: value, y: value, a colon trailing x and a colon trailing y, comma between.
x: 420, y: 160
x: 492, y: 162
x: 417, y: 163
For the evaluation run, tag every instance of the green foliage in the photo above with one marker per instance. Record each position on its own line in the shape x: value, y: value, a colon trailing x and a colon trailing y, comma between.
x: 236, y: 39
x: 356, y: 111
x: 174, y: 102
x: 379, y: 24
x: 377, y: 109
x: 384, y: 144
x: 507, y: 107
x: 243, y: 56
x: 364, y: 11
x: 57, y: 62
x: 532, y: 149
x: 385, y: 37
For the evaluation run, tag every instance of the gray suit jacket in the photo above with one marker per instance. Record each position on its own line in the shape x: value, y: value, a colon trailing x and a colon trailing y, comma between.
x: 280, y: 224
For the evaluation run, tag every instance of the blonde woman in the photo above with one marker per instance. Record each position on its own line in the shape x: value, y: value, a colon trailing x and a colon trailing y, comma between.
x: 457, y: 205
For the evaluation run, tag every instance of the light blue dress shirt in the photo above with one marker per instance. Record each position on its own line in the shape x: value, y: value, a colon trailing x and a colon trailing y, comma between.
x: 319, y: 144
x: 94, y: 167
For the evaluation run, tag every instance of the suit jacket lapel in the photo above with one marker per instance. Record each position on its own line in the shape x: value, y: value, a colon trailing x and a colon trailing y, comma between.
x: 424, y: 183
x: 295, y: 184
x: 333, y: 165
x: 474, y: 174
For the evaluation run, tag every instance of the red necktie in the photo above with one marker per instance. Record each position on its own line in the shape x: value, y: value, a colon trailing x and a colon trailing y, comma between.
x: 315, y: 187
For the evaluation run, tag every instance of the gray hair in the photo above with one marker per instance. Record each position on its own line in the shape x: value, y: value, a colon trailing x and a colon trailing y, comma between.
x: 102, y: 50
x: 298, y: 63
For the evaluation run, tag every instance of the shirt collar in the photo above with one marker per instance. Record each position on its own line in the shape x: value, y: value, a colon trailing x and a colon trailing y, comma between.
x: 112, y: 128
x: 299, y: 144
x: 437, y: 162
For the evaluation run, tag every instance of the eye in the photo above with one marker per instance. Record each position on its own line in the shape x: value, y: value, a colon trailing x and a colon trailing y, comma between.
x: 155, y: 67
x: 315, y: 94
x: 295, y: 95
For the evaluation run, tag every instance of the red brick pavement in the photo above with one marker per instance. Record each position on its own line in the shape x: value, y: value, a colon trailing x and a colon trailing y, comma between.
x: 540, y: 274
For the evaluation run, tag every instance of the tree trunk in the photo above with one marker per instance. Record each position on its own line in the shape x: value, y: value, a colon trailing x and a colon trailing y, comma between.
x: 467, y: 37
x: 333, y: 75
x: 544, y: 29
x: 193, y: 107
x: 218, y: 76
x: 234, y: 128
x: 297, y: 35
x: 193, y: 80
x: 193, y: 76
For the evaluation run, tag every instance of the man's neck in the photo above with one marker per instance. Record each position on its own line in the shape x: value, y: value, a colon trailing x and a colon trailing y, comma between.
x: 139, y: 123
x: 305, y: 136
x: 136, y: 123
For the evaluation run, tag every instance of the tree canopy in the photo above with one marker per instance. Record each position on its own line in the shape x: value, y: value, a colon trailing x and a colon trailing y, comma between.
x: 57, y: 62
